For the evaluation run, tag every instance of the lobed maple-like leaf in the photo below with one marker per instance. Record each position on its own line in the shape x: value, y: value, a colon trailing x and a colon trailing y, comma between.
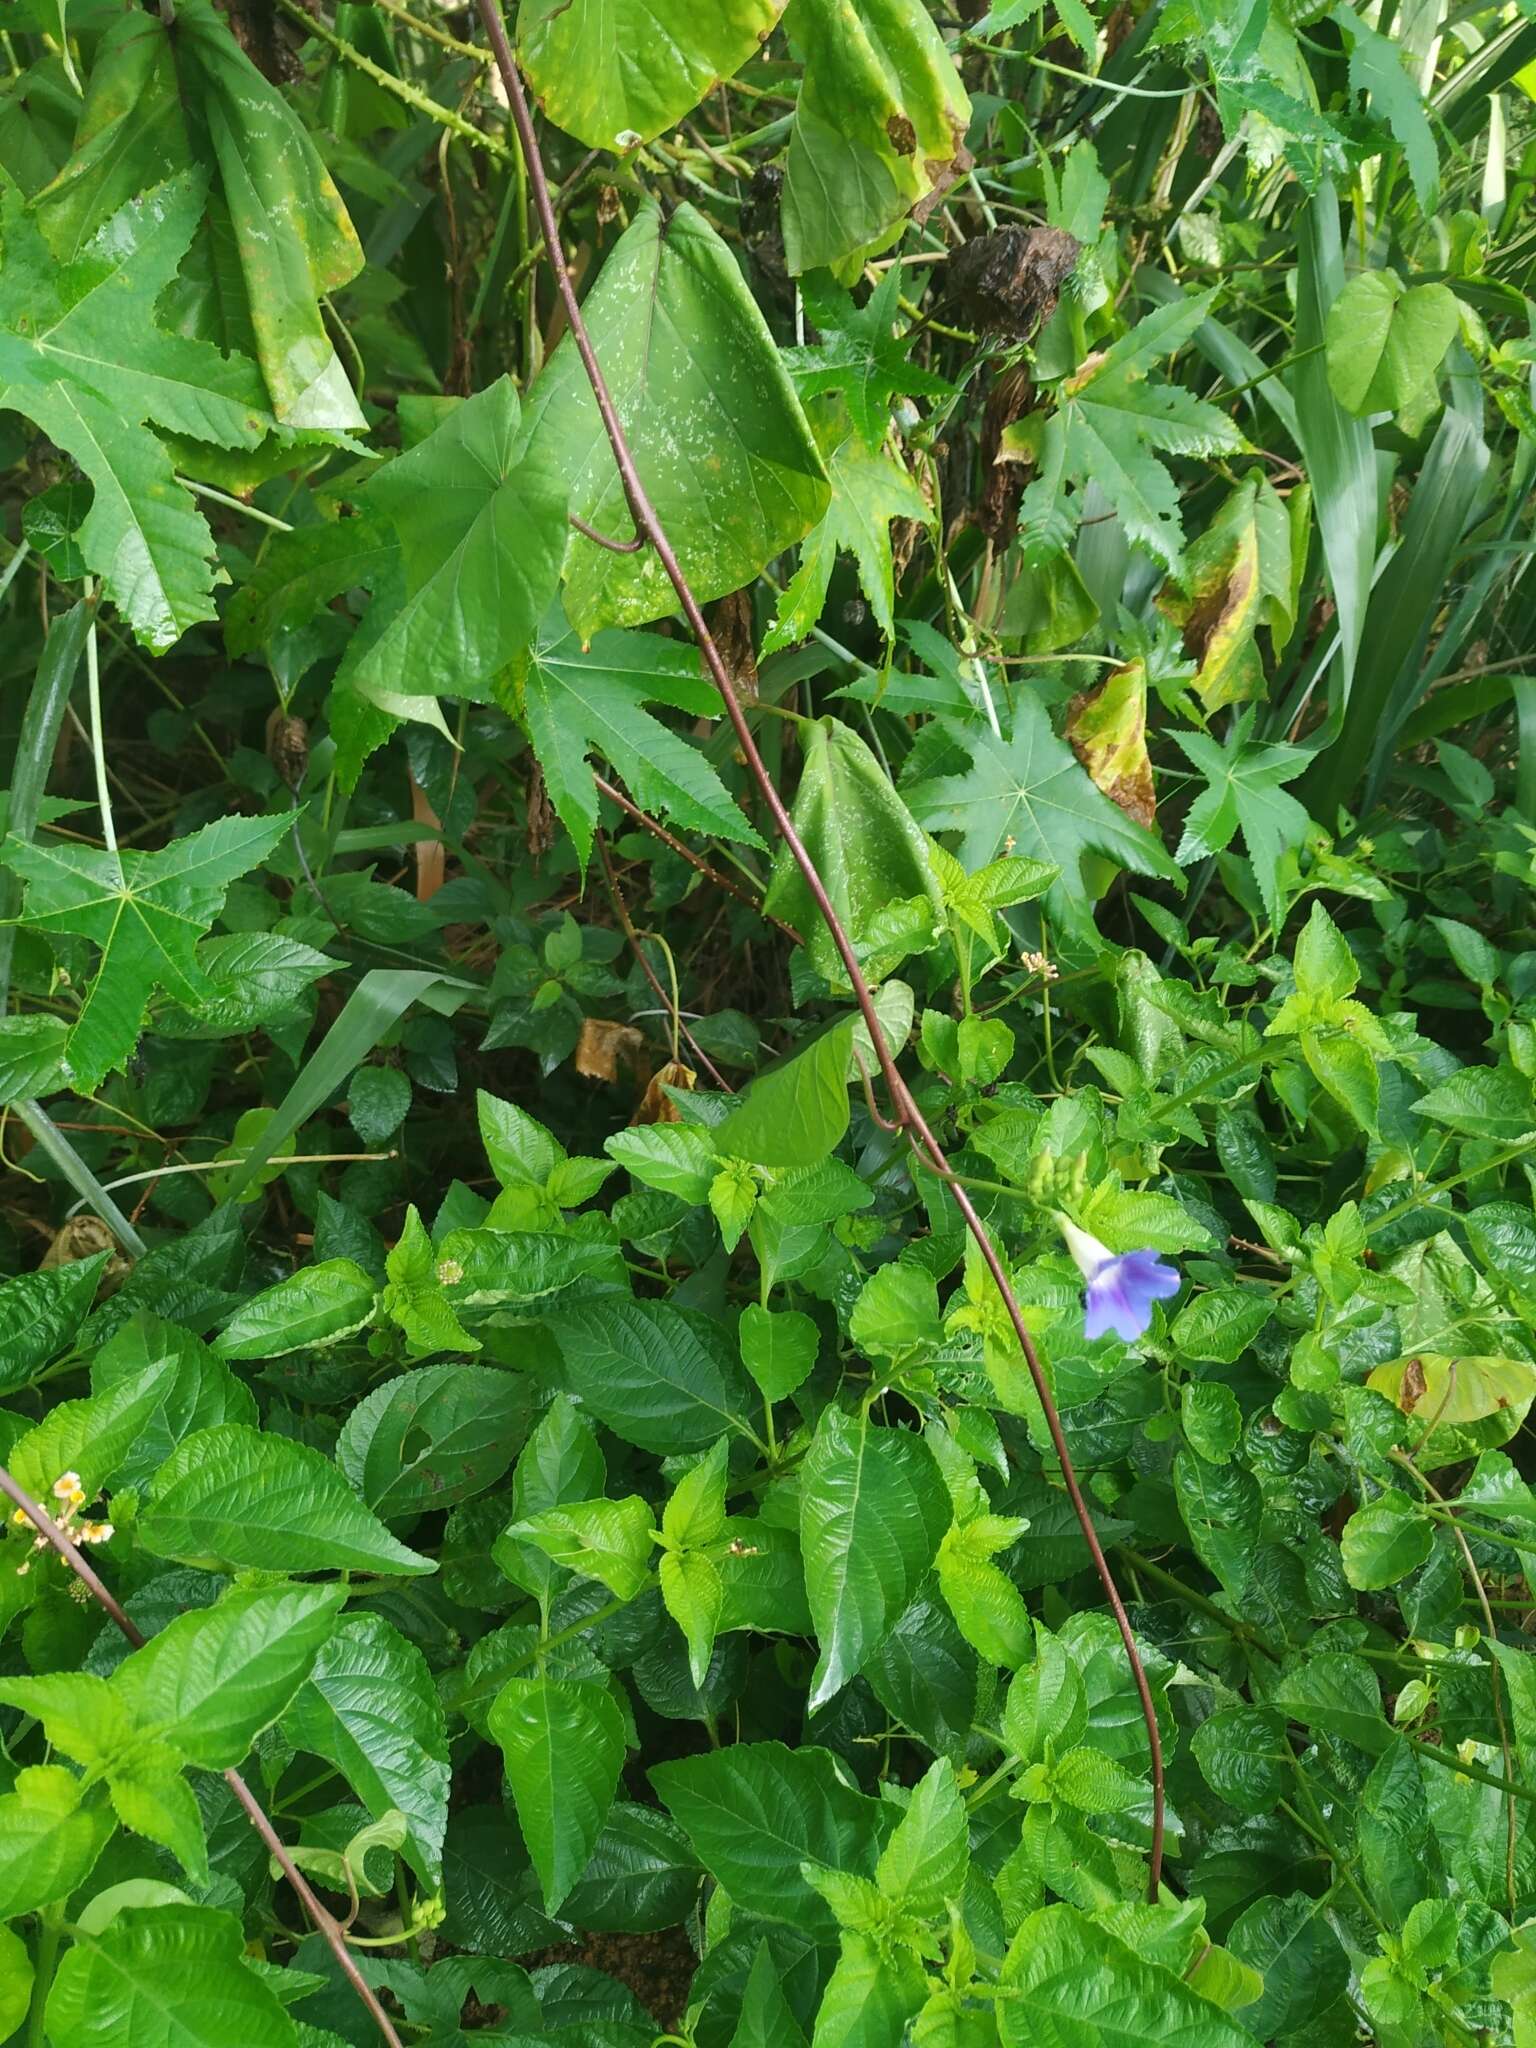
x: 146, y: 911
x: 1243, y: 791
x: 580, y: 700
x: 1029, y: 795
x: 82, y: 356
x: 861, y: 355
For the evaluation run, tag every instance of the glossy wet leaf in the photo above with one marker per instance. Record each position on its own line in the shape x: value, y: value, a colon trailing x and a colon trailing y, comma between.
x: 215, y: 1679
x: 481, y: 533
x: 865, y: 843
x: 873, y: 1507
x: 369, y: 1707
x: 563, y: 1742
x: 433, y: 1438
x: 755, y: 1812
x: 167, y: 1977
x: 232, y: 1496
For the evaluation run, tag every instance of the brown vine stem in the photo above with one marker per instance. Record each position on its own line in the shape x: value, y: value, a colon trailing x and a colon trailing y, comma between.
x: 907, y: 1112
x: 324, y: 1922
x: 713, y: 874
x: 621, y: 911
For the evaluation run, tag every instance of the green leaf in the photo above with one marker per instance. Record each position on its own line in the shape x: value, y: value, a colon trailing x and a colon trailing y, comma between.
x: 416, y: 1297
x: 433, y: 1438
x: 1377, y: 68
x: 49, y: 1838
x: 232, y: 1497
x: 872, y: 1994
x: 369, y: 1707
x: 1072, y: 1982
x: 695, y: 1514
x: 1046, y: 1702
x: 80, y: 1714
x: 794, y: 1113
x: 1223, y: 1511
x: 146, y: 912
x: 694, y: 1597
x: 40, y: 1312
x: 199, y: 1391
x: 299, y: 572
x: 378, y: 1099
x: 778, y: 1348
x: 755, y: 1812
x: 586, y: 694
x: 1243, y: 791
x: 315, y: 1306
x: 91, y: 1438
x: 873, y: 1506
x: 1290, y: 1943
x: 861, y: 355
x: 518, y: 1149
x: 16, y: 1980
x: 607, y: 1540
x: 897, y: 1313
x: 879, y: 128
x: 82, y: 355
x: 160, y: 1805
x: 615, y: 77
x: 924, y: 1864
x: 1482, y: 1102
x: 869, y: 489
x: 656, y: 1377
x: 31, y: 1057
x: 560, y: 1462
x: 276, y: 237
x: 1245, y: 1757
x: 1211, y: 1419
x: 1111, y: 424
x: 1386, y: 341
x: 211, y: 1681
x: 982, y: 1598
x: 711, y: 417
x: 642, y: 1876
x: 1384, y: 1541
x: 1218, y: 1326
x: 766, y: 2019
x: 563, y: 1741
x: 165, y: 1977
x: 863, y: 840
x: 482, y: 536
x: 1336, y: 447
x: 1031, y: 791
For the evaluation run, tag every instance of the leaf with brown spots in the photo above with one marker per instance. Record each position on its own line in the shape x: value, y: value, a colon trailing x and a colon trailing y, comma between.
x: 1108, y: 731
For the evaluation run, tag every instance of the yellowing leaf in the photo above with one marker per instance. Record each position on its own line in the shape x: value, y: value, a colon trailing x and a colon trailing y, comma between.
x: 1435, y: 1388
x: 1108, y: 731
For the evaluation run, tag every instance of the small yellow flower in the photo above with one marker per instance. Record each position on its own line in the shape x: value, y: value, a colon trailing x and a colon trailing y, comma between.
x: 449, y: 1273
x: 67, y: 1488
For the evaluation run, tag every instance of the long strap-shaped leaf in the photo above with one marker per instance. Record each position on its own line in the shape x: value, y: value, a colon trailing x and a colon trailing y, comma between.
x: 379, y: 1001
x: 908, y: 1118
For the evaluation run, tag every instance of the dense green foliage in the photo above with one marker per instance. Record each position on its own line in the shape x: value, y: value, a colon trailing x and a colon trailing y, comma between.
x: 464, y: 1290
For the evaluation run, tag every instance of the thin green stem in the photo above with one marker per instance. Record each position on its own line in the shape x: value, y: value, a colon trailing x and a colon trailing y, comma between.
x: 50, y: 1936
x: 235, y: 504
x: 98, y: 740
x: 397, y: 87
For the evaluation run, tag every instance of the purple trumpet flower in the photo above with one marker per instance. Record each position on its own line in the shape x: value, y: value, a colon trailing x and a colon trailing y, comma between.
x: 1120, y: 1287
